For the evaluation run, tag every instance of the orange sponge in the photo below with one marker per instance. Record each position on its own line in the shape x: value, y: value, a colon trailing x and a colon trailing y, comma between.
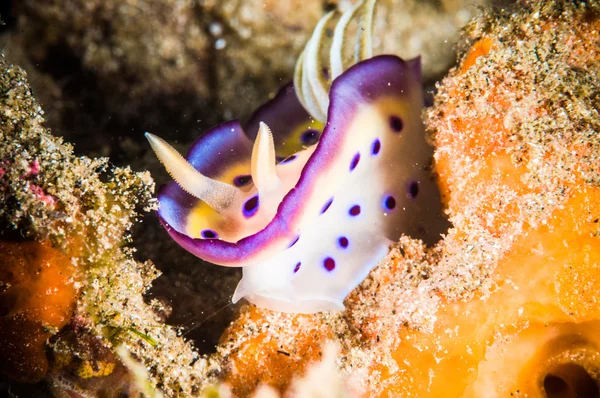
x: 37, y: 295
x: 507, y: 303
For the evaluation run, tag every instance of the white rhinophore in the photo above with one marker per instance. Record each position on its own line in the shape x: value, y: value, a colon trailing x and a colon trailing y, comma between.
x: 263, y: 162
x: 216, y: 194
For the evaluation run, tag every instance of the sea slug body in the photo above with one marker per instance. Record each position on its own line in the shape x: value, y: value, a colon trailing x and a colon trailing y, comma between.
x: 307, y: 229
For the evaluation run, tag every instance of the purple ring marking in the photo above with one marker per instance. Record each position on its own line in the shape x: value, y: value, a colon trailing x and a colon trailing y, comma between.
x: 396, y: 124
x: 242, y: 180
x: 355, y: 161
x: 310, y: 137
x: 329, y: 264
x: 354, y: 210
x: 376, y: 147
x: 343, y: 241
x: 251, y: 207
x: 413, y: 189
x: 389, y: 202
x: 329, y: 202
x: 297, y: 267
x: 208, y: 234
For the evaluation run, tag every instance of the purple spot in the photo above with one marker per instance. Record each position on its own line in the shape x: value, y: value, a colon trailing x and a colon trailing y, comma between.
x: 354, y: 210
x: 325, y: 73
x: 343, y: 241
x: 297, y: 267
x: 355, y: 161
x: 396, y: 123
x: 294, y: 242
x: 389, y: 202
x: 288, y: 159
x: 242, y: 180
x: 324, y: 209
x: 413, y: 189
x: 310, y: 137
x: 329, y: 264
x: 376, y: 147
x: 251, y: 206
x: 208, y: 234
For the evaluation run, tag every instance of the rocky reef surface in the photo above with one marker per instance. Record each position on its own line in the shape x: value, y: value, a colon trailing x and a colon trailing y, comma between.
x: 174, y: 67
x: 72, y: 291
x: 106, y: 71
x: 506, y: 303
x: 511, y: 290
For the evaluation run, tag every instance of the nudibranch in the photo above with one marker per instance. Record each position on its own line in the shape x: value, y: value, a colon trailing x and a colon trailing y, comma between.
x: 309, y: 208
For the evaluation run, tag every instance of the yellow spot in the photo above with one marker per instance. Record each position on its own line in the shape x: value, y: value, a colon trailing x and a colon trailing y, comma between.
x: 203, y: 216
x: 97, y: 369
x: 294, y: 143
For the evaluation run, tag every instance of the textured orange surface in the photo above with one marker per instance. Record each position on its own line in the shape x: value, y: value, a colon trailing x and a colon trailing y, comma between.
x: 549, y: 279
x: 542, y: 311
x: 37, y: 295
x: 481, y: 48
x: 260, y: 360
